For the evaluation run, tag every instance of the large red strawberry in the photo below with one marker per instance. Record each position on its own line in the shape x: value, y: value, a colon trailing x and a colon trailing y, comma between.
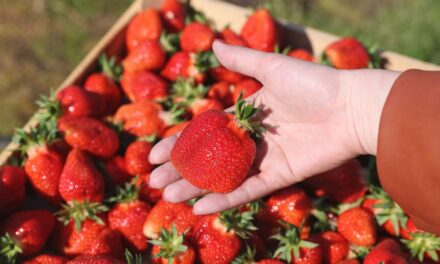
x: 148, y: 55
x: 76, y: 101
x: 128, y: 217
x: 196, y: 37
x: 301, y: 54
x: 172, y: 247
x: 347, y: 53
x: 47, y: 259
x: 12, y: 188
x: 80, y: 180
x: 143, y: 27
x: 164, y: 215
x: 136, y: 157
x: 259, y: 31
x: 246, y: 88
x: 24, y: 233
x: 358, y: 226
x: 333, y: 245
x: 221, y: 74
x: 215, y: 151
x: 222, y: 92
x: 173, y: 13
x: 291, y: 205
x: 386, y: 252
x: 90, y: 135
x: 343, y: 184
x: 116, y: 171
x: 143, y: 85
x: 231, y: 38
x: 91, y: 259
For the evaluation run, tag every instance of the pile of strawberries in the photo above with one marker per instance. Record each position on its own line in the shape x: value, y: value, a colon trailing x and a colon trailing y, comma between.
x: 76, y: 190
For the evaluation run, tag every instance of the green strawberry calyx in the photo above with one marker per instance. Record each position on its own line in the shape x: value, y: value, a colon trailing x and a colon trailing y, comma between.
x: 78, y: 212
x: 109, y: 67
x: 170, y: 244
x: 244, y: 116
x: 239, y: 222
x: 9, y: 249
x: 128, y: 193
x: 248, y: 256
x: 423, y: 243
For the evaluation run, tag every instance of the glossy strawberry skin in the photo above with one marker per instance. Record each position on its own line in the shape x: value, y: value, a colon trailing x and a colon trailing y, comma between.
x: 90, y: 259
x: 347, y: 53
x: 221, y: 74
x: 108, y: 242
x: 136, y: 157
x: 90, y: 135
x: 173, y: 13
x: 181, y: 64
x: 43, y: 167
x: 334, y: 246
x: 47, y: 259
x: 148, y: 55
x: 202, y: 105
x: 212, y: 153
x: 358, y: 226
x: 143, y: 85
x: 12, y: 188
x: 76, y: 101
x: 291, y: 205
x: 308, y: 256
x: 145, y: 26
x: 173, y: 130
x: 30, y: 229
x: 387, y: 251
x: 259, y: 31
x: 117, y: 172
x: 100, y: 84
x: 80, y: 180
x: 213, y: 243
x: 270, y: 261
x: 128, y: 218
x: 164, y: 215
x: 196, y: 37
x: 231, y: 38
x: 248, y: 87
x: 222, y: 92
x: 186, y: 257
x: 301, y: 54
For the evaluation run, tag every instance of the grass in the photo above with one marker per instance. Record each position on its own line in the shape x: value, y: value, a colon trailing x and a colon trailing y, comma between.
x: 41, y: 41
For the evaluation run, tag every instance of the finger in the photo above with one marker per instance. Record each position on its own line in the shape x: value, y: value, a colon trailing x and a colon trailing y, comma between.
x: 181, y: 191
x: 253, y: 188
x: 161, y: 151
x: 163, y: 176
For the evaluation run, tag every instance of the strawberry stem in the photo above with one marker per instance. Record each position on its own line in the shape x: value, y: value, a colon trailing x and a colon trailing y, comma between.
x: 110, y: 68
x: 126, y: 194
x: 423, y: 243
x: 80, y: 211
x: 171, y: 243
x: 244, y: 113
x: 9, y: 249
x: 240, y: 222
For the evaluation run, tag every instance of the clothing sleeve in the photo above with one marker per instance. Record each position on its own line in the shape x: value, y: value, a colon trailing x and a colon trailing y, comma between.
x: 408, y: 154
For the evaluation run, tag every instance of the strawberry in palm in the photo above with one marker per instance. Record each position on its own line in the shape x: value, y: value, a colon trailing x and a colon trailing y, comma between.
x: 215, y: 151
x: 171, y: 247
x: 12, y: 188
x: 145, y: 26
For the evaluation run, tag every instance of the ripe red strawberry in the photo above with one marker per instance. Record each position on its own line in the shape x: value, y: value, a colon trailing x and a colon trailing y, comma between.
x: 136, y: 157
x: 76, y: 101
x: 150, y: 195
x: 269, y: 261
x: 90, y: 259
x: 128, y: 217
x: 196, y: 37
x: 173, y: 13
x: 80, y: 180
x: 347, y: 53
x: 291, y: 205
x: 387, y: 252
x: 183, y: 64
x: 202, y: 105
x: 343, y: 184
x: 357, y: 225
x: 12, y: 188
x: 143, y: 85
x: 333, y: 245
x: 164, y: 215
x: 148, y: 55
x: 24, y: 233
x: 143, y: 27
x: 90, y: 135
x: 222, y: 92
x: 301, y: 54
x: 221, y: 74
x: 108, y: 242
x: 144, y: 118
x: 408, y: 229
x: 47, y: 259
x: 247, y: 87
x: 231, y: 38
x: 175, y: 129
x: 259, y: 31
x: 215, y: 151
x: 116, y: 171
x: 172, y: 247
x: 349, y: 261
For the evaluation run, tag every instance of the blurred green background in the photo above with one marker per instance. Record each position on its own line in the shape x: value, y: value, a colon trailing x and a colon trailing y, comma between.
x: 41, y: 41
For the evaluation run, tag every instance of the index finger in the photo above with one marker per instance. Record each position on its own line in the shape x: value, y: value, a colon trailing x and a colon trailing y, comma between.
x: 162, y: 150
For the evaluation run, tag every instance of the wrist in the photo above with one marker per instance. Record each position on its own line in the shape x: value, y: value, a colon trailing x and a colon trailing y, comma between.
x: 366, y: 92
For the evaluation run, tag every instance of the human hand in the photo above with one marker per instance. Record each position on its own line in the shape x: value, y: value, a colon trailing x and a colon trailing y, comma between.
x: 321, y: 118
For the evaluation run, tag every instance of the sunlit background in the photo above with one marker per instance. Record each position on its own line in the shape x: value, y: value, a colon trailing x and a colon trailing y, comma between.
x: 41, y: 41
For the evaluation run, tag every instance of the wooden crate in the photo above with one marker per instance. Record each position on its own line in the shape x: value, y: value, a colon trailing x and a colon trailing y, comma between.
x: 222, y: 14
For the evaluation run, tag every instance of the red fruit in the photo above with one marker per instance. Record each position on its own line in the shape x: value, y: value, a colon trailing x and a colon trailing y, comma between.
x: 143, y: 27
x: 150, y: 195
x: 349, y: 261
x: 202, y: 105
x: 269, y: 261
x: 222, y: 92
x: 172, y: 247
x: 390, y: 245
x: 143, y: 85
x: 117, y: 172
x: 148, y: 55
x: 248, y: 87
x: 213, y: 242
x: 80, y: 180
x: 221, y: 74
x: 26, y: 232
x: 90, y: 135
x: 231, y: 38
x: 333, y: 245
x: 347, y: 53
x: 410, y: 227
x: 215, y: 151
x: 102, y: 259
x: 182, y: 64
x: 301, y: 54
x: 108, y: 242
x: 291, y: 205
x: 12, y: 188
x: 173, y: 13
x: 47, y: 259
x: 259, y: 31
x: 164, y: 215
x: 343, y: 184
x: 143, y: 118
x: 387, y: 252
x: 136, y: 157
x: 76, y: 101
x: 175, y: 129
x: 196, y: 37
x: 358, y: 226
x: 100, y: 84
